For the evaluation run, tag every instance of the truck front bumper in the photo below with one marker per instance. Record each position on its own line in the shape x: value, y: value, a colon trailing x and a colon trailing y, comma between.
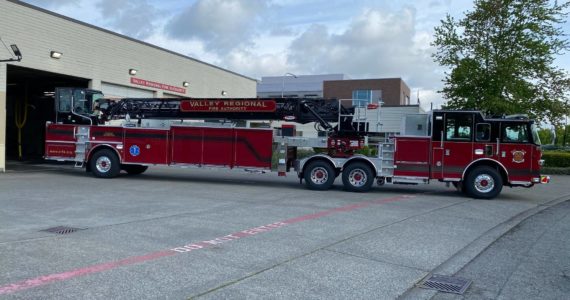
x: 544, y: 179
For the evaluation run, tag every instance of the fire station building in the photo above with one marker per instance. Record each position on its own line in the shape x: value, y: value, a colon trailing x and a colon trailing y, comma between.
x: 61, y: 52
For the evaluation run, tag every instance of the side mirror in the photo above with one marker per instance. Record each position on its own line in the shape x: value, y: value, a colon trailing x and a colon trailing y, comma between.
x: 552, y: 135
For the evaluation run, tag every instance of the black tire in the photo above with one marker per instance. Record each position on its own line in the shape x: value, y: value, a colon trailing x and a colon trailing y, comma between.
x: 319, y: 175
x: 357, y: 177
x: 483, y: 183
x: 134, y: 169
x: 105, y: 164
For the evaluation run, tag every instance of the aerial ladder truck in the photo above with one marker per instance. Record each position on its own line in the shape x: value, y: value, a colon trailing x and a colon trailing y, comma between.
x: 477, y: 155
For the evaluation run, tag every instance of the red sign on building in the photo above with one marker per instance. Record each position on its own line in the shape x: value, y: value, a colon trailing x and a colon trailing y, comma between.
x: 227, y: 105
x: 158, y: 85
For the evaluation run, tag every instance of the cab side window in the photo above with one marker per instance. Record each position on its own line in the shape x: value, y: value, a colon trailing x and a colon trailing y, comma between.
x: 515, y: 133
x: 483, y: 132
x: 64, y: 100
x: 80, y: 102
x: 458, y: 127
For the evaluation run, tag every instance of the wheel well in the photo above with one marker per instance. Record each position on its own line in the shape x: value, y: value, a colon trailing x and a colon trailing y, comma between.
x: 364, y: 161
x: 98, y: 148
x: 489, y: 163
x: 323, y: 159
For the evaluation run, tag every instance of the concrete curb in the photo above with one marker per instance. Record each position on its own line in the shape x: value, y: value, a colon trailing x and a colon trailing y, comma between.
x: 464, y: 256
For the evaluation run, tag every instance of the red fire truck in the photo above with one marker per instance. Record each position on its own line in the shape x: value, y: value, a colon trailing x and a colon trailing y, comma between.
x: 477, y: 155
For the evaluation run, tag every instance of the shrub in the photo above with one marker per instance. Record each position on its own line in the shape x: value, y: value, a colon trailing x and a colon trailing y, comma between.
x: 368, y: 151
x: 556, y: 159
x: 554, y: 171
x: 304, y: 152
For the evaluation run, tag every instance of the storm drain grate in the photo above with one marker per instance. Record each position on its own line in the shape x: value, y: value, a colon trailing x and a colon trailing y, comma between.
x: 62, y: 229
x: 446, y: 284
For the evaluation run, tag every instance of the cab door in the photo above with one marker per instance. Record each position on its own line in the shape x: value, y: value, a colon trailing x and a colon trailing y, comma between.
x: 515, y: 151
x: 486, y: 141
x: 436, y: 159
x: 458, y: 144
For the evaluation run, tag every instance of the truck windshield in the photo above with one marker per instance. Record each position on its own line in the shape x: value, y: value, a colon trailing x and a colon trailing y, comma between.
x: 535, y: 136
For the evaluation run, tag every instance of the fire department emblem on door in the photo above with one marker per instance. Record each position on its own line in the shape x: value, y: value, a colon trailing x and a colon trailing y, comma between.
x: 518, y: 156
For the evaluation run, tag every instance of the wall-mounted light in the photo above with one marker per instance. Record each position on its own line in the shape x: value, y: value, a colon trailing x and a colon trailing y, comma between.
x: 55, y: 54
x: 17, y: 53
x: 224, y: 93
x: 132, y: 72
x: 185, y: 83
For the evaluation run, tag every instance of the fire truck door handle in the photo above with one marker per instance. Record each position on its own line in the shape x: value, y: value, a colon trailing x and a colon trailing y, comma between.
x: 498, y: 146
x: 447, y: 152
x: 74, y: 132
x: 441, y: 142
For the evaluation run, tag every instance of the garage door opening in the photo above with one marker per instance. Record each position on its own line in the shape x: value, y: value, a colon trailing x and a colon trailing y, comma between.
x: 29, y: 105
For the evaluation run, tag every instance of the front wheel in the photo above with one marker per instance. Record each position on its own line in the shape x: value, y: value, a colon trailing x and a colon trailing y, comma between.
x: 319, y: 175
x: 357, y: 177
x: 483, y: 183
x: 105, y: 164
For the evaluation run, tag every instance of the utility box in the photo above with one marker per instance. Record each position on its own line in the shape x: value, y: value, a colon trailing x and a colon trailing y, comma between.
x: 288, y: 130
x: 415, y: 125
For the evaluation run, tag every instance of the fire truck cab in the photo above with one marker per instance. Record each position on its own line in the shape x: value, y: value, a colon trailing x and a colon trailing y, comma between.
x: 478, y: 155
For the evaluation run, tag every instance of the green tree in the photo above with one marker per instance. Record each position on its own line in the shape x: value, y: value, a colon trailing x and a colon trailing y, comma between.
x: 501, y: 58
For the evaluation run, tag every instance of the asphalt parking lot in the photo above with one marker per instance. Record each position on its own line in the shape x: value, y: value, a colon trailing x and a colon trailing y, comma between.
x: 217, y: 234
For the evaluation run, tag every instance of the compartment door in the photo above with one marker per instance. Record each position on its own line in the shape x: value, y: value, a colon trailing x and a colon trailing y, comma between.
x: 146, y: 146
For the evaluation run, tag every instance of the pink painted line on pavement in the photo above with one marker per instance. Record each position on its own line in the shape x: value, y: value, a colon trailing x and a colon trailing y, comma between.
x: 47, y: 279
x: 43, y: 280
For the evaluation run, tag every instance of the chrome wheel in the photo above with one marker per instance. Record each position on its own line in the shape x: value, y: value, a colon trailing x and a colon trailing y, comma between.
x: 103, y: 164
x: 484, y: 183
x: 319, y: 175
x: 357, y: 177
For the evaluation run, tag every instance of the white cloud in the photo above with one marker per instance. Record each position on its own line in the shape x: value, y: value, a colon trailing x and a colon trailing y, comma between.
x: 375, y: 44
x: 255, y: 65
x: 135, y: 18
x: 429, y: 97
x: 221, y: 24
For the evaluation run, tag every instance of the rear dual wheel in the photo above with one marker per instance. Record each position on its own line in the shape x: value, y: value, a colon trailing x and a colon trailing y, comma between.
x: 357, y: 177
x: 319, y: 175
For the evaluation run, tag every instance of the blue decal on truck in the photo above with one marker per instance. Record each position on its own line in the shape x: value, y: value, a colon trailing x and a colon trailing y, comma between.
x: 135, y: 150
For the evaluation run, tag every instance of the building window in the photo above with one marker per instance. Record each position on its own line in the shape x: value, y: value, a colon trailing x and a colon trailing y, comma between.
x: 361, y: 98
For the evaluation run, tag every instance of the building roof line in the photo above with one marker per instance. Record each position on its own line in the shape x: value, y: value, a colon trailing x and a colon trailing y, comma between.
x: 18, y: 2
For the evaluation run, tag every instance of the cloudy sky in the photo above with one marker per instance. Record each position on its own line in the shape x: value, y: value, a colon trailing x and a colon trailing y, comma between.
x: 359, y: 38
